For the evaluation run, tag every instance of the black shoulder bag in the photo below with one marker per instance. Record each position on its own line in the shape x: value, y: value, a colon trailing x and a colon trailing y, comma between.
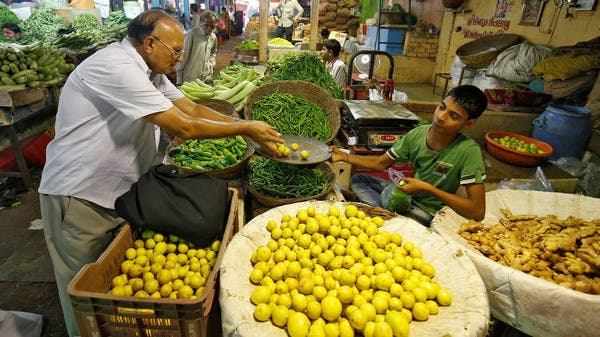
x: 193, y: 207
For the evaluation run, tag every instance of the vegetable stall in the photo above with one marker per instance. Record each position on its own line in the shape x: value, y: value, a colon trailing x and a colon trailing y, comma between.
x: 295, y: 258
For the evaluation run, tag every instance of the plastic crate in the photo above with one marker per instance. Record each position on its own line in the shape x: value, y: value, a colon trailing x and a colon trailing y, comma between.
x: 99, y: 314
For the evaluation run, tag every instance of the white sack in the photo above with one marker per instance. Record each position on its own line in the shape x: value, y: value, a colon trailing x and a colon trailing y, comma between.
x: 516, y: 63
x: 455, y: 70
x: 467, y: 316
x: 532, y: 305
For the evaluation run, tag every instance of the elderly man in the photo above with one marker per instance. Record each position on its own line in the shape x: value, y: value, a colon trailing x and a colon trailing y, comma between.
x: 107, y: 131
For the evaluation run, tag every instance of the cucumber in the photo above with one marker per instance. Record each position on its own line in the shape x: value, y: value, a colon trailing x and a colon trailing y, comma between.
x: 7, y: 80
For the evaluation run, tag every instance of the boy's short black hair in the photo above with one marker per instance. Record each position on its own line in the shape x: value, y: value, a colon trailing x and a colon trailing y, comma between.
x: 194, y: 8
x: 325, y: 33
x: 334, y: 46
x: 471, y: 98
x: 12, y: 26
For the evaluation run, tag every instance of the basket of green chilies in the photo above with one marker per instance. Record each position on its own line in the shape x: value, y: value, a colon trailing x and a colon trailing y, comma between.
x: 273, y: 183
x: 223, y: 158
x: 297, y: 108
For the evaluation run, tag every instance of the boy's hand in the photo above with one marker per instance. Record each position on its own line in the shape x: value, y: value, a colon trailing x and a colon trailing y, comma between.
x: 412, y: 186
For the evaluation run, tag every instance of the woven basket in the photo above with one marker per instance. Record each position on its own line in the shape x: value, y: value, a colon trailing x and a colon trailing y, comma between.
x: 231, y: 172
x: 270, y: 201
x: 249, y: 52
x: 481, y: 52
x: 307, y: 90
x: 219, y: 105
x: 374, y: 211
x: 515, y: 157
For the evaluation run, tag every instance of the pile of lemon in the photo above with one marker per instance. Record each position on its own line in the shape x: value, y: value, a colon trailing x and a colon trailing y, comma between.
x: 518, y: 145
x: 338, y: 274
x: 164, y: 266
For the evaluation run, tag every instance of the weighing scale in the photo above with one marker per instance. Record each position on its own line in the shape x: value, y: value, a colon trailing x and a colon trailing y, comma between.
x: 375, y: 123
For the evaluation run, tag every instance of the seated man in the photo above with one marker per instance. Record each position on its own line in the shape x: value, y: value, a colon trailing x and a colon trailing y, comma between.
x: 336, y: 67
x: 11, y: 30
x: 444, y: 159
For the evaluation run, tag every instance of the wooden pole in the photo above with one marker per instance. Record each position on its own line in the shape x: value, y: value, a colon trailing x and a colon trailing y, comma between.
x: 263, y: 27
x: 314, y: 24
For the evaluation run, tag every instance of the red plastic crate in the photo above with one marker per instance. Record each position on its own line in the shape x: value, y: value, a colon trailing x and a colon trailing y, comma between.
x: 99, y: 314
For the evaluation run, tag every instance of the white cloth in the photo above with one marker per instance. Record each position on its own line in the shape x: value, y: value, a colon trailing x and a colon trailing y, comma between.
x: 199, y: 56
x: 102, y: 143
x: 339, y: 71
x: 535, y: 306
x: 286, y: 10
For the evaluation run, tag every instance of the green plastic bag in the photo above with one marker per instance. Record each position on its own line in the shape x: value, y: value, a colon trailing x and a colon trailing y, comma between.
x: 393, y: 199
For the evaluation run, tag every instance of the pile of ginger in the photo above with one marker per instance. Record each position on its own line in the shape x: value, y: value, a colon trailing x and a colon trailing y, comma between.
x: 566, y: 252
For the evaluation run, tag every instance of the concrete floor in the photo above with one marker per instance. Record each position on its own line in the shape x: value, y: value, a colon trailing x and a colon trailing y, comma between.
x: 26, y: 275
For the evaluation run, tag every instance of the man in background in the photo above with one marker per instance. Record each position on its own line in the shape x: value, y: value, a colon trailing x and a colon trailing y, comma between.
x: 289, y: 11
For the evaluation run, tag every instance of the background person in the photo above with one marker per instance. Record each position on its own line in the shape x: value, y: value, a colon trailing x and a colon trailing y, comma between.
x: 107, y: 136
x: 336, y: 67
x: 443, y: 157
x: 289, y: 11
x: 200, y: 52
x: 11, y: 30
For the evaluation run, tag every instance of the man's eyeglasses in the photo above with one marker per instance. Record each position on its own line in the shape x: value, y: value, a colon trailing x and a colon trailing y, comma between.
x: 175, y: 53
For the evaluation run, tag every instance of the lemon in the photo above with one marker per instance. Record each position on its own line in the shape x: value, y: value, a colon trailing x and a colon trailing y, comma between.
x: 420, y: 311
x: 165, y: 290
x: 432, y: 306
x: 332, y: 329
x: 444, y: 297
x: 398, y: 323
x: 295, y: 146
x: 299, y: 302
x: 284, y: 300
x: 313, y: 309
x: 346, y: 329
x: 316, y: 330
x: 298, y: 325
x: 126, y: 265
x: 408, y: 299
x: 131, y: 253
x: 395, y: 303
x: 256, y: 276
x: 351, y: 211
x: 369, y: 329
x: 345, y: 294
x: 261, y: 294
x: 279, y: 315
x: 380, y: 303
x: 141, y: 260
x: 262, y: 312
x: 331, y: 308
x: 304, y: 154
x: 177, y: 284
x: 358, y: 319
x: 117, y: 291
x: 141, y: 293
x: 369, y: 310
x: 185, y: 292
x: 197, y: 281
x: 120, y: 280
x: 382, y: 329
x: 135, y: 271
x: 151, y: 286
x: 136, y: 284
